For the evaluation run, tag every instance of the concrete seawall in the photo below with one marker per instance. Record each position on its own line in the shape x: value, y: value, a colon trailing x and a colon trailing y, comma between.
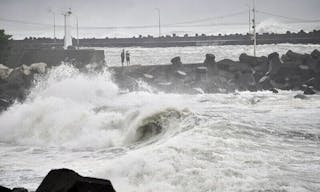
x: 54, y: 57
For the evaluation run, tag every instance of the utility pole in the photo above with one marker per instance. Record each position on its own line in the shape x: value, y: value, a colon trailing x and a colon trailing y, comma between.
x: 254, y: 28
x: 159, y: 21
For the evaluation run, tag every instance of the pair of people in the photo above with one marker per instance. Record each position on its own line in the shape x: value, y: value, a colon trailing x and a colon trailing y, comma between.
x: 125, y: 55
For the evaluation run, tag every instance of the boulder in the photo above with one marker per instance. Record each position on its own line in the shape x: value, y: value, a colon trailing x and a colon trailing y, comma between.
x: 233, y: 66
x: 210, y: 59
x: 38, y: 67
x: 176, y: 61
x: 66, y: 180
x: 309, y: 91
x: 4, y: 189
x: 17, y: 189
x: 252, y: 60
x: 300, y: 96
x: 274, y: 90
x: 4, y: 71
x: 315, y: 54
x: 274, y: 63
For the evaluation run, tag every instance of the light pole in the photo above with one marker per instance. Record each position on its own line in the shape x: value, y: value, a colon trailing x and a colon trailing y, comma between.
x: 254, y: 28
x: 77, y: 23
x: 67, y: 37
x: 158, y: 10
x: 249, y: 8
x: 54, y: 24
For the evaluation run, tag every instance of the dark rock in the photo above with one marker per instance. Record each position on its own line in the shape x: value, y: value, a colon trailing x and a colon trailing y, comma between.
x: 292, y: 56
x: 176, y: 61
x: 300, y: 96
x: 66, y: 180
x: 274, y: 90
x: 309, y: 91
x: 210, y: 59
x: 246, y: 81
x: 252, y: 60
x: 315, y: 54
x: 274, y: 63
x: 4, y: 189
x: 19, y: 189
x: 233, y: 66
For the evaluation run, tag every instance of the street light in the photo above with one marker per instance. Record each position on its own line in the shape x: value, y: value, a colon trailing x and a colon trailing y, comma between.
x: 54, y: 24
x: 158, y: 10
x: 77, y: 23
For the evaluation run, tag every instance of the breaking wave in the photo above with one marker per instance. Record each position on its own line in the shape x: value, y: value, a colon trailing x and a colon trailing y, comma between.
x: 72, y: 109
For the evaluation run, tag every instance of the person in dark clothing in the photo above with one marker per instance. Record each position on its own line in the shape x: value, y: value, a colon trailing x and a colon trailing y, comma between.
x: 122, y: 57
x: 128, y: 58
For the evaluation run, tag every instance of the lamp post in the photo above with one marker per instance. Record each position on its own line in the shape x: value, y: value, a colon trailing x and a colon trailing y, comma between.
x: 249, y: 8
x: 159, y: 23
x: 254, y: 28
x: 77, y: 23
x: 54, y: 24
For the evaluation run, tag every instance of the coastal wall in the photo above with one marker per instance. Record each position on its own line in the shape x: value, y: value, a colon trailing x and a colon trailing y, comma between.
x: 54, y: 57
x: 174, y: 40
x: 293, y: 71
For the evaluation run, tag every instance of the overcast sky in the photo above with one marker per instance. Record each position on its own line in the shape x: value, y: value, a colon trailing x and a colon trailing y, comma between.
x: 143, y: 12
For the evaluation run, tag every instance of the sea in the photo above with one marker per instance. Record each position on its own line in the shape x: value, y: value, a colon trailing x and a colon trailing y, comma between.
x: 150, y: 141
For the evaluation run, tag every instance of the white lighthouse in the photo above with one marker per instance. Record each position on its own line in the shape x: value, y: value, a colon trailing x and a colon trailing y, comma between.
x: 67, y: 30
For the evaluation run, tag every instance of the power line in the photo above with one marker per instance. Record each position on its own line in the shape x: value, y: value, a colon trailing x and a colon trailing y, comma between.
x: 294, y: 19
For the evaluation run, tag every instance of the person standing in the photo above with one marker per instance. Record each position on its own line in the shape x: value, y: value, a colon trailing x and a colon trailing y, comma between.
x: 122, y: 57
x: 128, y: 58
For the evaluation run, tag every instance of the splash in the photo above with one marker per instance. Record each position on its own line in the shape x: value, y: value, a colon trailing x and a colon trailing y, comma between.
x: 72, y: 109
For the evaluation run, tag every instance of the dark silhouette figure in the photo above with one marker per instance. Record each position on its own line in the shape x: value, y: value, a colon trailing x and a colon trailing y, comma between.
x: 128, y: 58
x: 122, y: 57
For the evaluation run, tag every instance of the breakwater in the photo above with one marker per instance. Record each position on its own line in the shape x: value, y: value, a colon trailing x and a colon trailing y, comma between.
x: 173, y: 40
x: 291, y: 71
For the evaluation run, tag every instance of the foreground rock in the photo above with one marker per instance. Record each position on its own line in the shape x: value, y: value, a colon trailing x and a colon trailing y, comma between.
x: 66, y: 180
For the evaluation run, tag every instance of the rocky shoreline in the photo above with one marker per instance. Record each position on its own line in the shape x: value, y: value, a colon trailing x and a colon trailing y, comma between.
x: 66, y: 180
x: 291, y: 71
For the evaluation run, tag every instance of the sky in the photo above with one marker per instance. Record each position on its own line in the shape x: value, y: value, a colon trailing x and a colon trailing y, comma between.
x: 119, y: 13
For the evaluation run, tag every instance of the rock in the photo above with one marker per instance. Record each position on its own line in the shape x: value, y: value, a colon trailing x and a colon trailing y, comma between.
x: 38, y: 67
x: 292, y: 56
x: 4, y: 189
x: 274, y: 90
x: 300, y: 96
x: 4, y: 71
x: 233, y: 66
x: 210, y: 59
x: 252, y: 60
x: 202, y: 69
x: 19, y: 189
x: 309, y: 91
x: 176, y: 61
x: 246, y: 81
x: 66, y: 180
x: 315, y: 54
x: 274, y: 63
